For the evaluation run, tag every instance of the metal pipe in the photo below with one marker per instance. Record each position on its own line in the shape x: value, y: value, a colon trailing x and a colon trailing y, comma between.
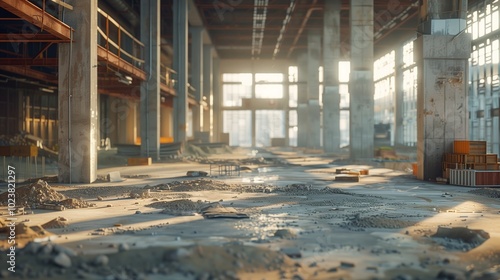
x: 303, y: 25
x: 69, y: 103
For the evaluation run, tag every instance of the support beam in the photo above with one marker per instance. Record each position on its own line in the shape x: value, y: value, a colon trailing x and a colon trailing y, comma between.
x: 181, y: 67
x: 28, y: 72
x: 29, y: 61
x: 28, y: 38
x: 302, y: 109
x: 36, y: 16
x: 442, y: 54
x: 150, y: 88
x: 197, y: 74
x: 331, y: 57
x: 207, y: 87
x: 78, y: 110
x: 361, y: 140
x: 216, y: 112
x: 397, y: 134
x: 314, y: 109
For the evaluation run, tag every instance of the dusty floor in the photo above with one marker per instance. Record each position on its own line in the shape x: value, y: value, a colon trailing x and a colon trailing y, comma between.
x: 292, y: 221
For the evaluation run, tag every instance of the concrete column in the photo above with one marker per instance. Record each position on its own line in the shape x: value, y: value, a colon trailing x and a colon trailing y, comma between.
x: 314, y: 109
x: 207, y: 85
x: 216, y: 108
x: 442, y: 54
x: 150, y: 89
x: 253, y: 116
x: 331, y: 57
x: 398, y: 133
x: 197, y: 74
x: 78, y: 110
x: 361, y: 80
x: 181, y: 67
x: 302, y: 109
x: 286, y: 107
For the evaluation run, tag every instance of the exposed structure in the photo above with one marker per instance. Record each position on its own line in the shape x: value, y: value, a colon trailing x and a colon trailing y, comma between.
x: 250, y: 139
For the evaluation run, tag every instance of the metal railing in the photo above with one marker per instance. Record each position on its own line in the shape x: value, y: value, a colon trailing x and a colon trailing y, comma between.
x: 116, y: 39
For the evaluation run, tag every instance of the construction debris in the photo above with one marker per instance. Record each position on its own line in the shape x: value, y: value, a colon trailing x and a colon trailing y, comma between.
x: 41, y: 195
x: 216, y: 210
x: 58, y: 222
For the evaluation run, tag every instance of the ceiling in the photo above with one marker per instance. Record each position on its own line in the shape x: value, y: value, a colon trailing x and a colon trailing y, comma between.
x: 238, y: 29
x: 285, y: 24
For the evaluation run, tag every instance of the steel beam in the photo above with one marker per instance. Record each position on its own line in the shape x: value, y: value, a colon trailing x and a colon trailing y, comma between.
x: 113, y: 59
x: 36, y: 16
x: 29, y: 61
x: 28, y: 72
x: 28, y: 38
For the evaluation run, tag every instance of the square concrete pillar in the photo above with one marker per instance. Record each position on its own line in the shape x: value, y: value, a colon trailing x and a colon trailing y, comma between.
x: 331, y: 57
x: 314, y: 108
x: 78, y: 110
x: 442, y: 114
x: 302, y: 97
x: 150, y: 89
x: 361, y: 80
x: 197, y: 74
x: 180, y: 26
x: 207, y: 86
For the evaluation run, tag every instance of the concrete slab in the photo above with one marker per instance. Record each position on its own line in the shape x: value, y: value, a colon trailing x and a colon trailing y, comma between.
x: 380, y: 227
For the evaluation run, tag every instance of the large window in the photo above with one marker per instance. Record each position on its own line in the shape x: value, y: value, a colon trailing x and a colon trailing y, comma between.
x: 235, y: 87
x: 269, y: 85
x: 238, y: 124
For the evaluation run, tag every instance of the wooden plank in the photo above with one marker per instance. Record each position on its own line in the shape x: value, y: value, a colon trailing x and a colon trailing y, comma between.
x: 139, y: 161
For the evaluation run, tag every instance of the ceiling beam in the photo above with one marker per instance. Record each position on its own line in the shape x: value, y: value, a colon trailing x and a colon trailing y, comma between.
x: 29, y: 61
x: 36, y: 16
x: 28, y: 38
x: 30, y: 73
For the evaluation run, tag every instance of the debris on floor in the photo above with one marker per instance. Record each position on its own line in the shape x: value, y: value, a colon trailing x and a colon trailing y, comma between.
x: 23, y: 234
x: 181, y: 207
x: 460, y: 238
x: 41, y: 195
x: 59, y: 222
x: 216, y: 210
x: 196, y: 174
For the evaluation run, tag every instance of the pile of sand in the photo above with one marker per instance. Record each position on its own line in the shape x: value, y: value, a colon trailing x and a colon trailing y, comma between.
x: 181, y: 207
x: 39, y: 193
x: 24, y: 234
x: 58, y: 222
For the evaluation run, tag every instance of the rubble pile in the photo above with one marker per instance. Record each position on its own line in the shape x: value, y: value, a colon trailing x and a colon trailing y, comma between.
x: 16, y: 140
x: 460, y: 238
x: 181, y: 207
x: 193, y: 185
x: 59, y: 222
x: 209, y: 185
x: 24, y: 234
x: 247, y: 161
x: 376, y: 221
x: 488, y: 192
x: 39, y: 194
x: 52, y: 261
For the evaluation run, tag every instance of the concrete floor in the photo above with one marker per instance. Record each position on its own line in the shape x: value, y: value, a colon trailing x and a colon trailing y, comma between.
x: 377, y: 228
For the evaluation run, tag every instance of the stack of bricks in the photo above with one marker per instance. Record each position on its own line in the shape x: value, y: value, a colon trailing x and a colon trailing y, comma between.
x: 469, y: 155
